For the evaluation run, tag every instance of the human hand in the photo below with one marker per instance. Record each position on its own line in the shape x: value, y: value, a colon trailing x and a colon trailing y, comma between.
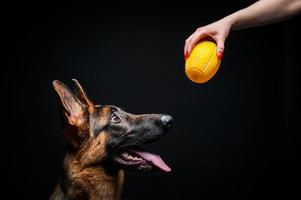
x: 218, y: 31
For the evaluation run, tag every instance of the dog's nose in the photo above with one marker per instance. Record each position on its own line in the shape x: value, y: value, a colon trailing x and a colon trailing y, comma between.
x: 167, y: 120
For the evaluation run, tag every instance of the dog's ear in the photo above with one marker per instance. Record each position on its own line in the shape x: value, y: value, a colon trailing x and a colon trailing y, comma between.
x: 82, y: 95
x: 73, y: 109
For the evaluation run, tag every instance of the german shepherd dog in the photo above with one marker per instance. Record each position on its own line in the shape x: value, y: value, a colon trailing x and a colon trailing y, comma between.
x: 102, y: 140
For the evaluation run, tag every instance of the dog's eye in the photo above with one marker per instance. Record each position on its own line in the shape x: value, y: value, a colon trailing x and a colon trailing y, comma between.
x: 115, y: 118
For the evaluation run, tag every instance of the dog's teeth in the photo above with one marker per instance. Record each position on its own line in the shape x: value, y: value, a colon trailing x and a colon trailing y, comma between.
x: 131, y: 157
x: 136, y: 158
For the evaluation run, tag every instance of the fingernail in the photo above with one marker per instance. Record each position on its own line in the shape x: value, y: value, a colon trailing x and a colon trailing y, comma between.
x: 185, y: 55
x: 220, y: 55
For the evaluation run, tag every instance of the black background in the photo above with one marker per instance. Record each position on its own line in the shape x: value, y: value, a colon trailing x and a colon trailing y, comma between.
x: 236, y: 136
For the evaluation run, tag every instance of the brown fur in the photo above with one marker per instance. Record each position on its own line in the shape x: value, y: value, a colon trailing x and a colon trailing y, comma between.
x: 83, y: 175
x: 89, y: 171
x: 89, y: 182
x: 85, y: 178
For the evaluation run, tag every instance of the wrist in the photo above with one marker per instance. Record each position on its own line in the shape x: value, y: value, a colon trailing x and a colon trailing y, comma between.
x: 232, y: 21
x: 228, y: 22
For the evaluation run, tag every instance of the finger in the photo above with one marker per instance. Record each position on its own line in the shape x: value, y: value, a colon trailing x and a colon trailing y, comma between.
x: 187, y: 42
x: 194, y: 40
x: 220, y: 43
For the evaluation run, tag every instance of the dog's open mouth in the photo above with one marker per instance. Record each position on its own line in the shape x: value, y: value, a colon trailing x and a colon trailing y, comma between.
x: 140, y: 158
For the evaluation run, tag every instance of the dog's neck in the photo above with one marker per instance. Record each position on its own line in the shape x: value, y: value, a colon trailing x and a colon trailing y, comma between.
x: 90, y: 182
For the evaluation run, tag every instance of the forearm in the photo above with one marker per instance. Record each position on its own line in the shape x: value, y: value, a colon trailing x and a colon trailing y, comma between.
x: 263, y: 12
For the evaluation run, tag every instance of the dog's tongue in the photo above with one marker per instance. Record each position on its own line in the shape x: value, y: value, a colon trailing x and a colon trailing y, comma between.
x: 153, y: 158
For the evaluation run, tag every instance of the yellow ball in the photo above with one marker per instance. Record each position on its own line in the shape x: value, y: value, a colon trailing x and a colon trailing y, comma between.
x: 203, y: 63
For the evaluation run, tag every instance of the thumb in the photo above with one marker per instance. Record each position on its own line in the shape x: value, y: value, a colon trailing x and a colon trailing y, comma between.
x: 220, y: 43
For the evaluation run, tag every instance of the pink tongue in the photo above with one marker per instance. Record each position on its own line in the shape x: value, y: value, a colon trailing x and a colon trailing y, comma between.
x: 154, y: 159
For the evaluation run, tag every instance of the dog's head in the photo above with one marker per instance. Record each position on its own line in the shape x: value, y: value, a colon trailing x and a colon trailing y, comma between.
x: 107, y: 135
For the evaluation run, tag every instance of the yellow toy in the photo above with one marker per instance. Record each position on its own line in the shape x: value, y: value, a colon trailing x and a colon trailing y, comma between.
x: 203, y: 63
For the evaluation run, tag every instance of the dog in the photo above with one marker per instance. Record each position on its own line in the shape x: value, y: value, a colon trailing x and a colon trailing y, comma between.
x: 102, y: 141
